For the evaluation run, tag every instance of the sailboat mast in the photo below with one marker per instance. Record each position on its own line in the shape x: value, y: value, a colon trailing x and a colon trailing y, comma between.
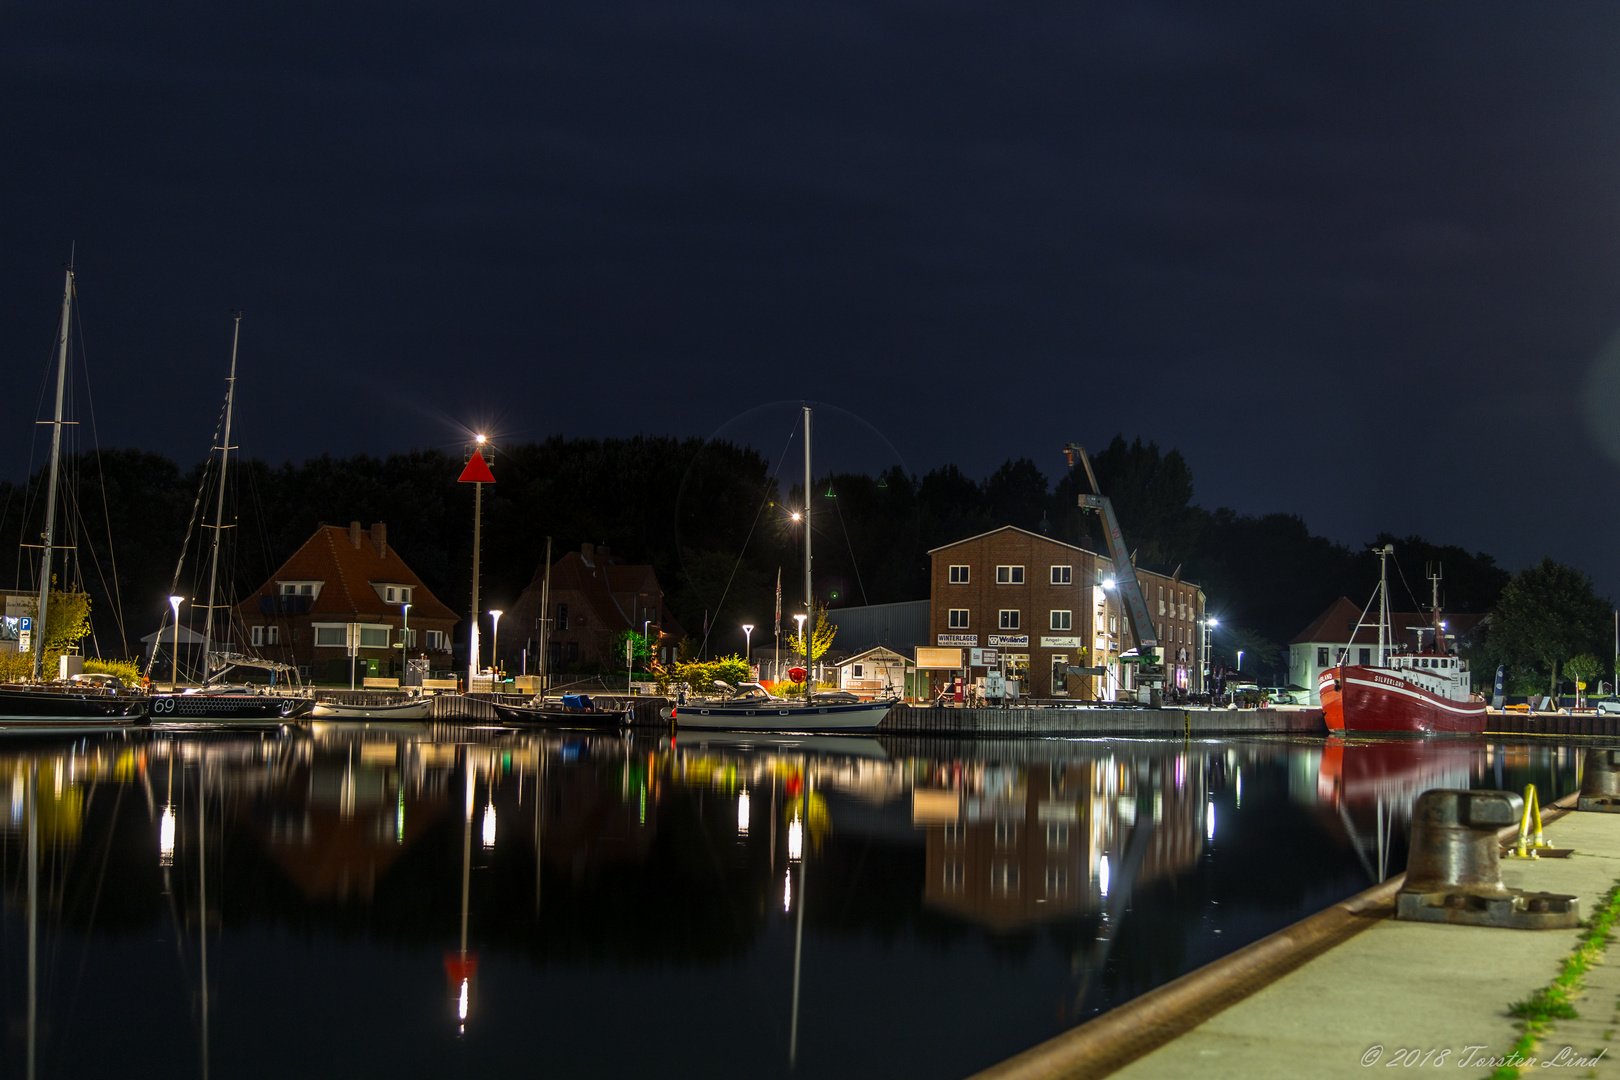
x: 1383, y: 604
x: 809, y: 594
x: 219, y: 510
x: 50, y: 493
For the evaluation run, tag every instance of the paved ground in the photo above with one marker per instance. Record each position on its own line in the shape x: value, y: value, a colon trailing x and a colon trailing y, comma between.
x: 1402, y: 986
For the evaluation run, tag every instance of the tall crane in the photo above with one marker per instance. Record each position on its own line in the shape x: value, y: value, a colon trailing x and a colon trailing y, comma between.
x: 1149, y: 669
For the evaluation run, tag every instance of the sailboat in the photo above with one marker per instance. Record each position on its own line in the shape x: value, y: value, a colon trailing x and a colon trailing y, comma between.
x: 80, y: 704
x: 224, y: 704
x: 1422, y: 693
x: 755, y: 710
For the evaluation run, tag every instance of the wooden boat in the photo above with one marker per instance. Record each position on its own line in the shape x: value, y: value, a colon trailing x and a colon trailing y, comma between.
x: 416, y: 709
x: 571, y: 710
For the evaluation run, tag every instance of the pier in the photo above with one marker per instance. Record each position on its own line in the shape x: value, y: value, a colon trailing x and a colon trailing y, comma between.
x: 1352, y: 988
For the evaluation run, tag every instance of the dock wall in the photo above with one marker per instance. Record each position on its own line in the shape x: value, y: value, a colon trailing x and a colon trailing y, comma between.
x: 1163, y: 723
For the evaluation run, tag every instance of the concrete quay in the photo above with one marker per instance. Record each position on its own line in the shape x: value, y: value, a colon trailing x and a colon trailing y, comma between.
x: 1153, y: 723
x: 1352, y: 989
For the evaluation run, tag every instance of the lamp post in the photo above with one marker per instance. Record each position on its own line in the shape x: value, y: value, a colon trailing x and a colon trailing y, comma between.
x: 404, y: 642
x: 1240, y: 659
x: 1210, y: 623
x: 645, y: 623
x: 495, y: 641
x: 174, y: 671
x: 748, y: 645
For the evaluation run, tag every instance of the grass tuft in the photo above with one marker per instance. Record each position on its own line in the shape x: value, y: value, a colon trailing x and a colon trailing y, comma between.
x: 1552, y: 1002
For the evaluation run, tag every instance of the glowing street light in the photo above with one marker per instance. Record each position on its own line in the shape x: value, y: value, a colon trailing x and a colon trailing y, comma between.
x: 174, y: 672
x: 495, y: 640
x: 748, y: 642
x: 1109, y: 583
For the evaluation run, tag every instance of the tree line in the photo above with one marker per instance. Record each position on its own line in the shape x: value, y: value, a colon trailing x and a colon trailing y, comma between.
x: 713, y: 520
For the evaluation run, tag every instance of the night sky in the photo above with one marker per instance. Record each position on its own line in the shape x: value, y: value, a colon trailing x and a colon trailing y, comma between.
x: 1359, y: 262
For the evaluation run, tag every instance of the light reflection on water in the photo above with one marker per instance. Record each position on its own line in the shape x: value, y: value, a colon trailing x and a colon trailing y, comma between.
x: 430, y: 898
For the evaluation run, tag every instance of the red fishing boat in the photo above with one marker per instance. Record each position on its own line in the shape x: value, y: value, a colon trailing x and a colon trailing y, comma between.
x: 1427, y: 692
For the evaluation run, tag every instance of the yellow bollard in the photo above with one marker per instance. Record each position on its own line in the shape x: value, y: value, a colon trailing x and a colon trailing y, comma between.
x: 1525, y: 848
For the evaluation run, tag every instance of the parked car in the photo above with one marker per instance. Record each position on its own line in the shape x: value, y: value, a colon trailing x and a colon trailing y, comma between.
x: 1608, y: 705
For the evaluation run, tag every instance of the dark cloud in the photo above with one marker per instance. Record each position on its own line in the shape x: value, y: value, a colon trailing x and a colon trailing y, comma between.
x: 1354, y: 260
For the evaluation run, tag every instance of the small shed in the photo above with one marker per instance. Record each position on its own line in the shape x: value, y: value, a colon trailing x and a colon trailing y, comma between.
x: 876, y: 672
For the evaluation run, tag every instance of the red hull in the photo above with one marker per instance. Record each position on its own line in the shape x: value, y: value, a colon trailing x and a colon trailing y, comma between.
x: 1378, y: 701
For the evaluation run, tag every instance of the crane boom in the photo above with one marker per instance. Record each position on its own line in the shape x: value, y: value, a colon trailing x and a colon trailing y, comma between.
x: 1147, y: 635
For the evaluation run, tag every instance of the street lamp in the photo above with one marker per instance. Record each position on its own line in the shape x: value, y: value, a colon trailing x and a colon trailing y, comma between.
x: 748, y: 644
x: 495, y: 641
x: 404, y: 642
x: 644, y: 624
x: 1240, y: 659
x: 174, y: 672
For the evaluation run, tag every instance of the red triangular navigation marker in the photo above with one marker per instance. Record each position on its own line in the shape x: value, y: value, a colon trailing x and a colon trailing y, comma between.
x: 476, y: 471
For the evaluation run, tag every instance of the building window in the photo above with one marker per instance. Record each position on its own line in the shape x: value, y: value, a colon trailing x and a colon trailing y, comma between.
x: 289, y: 590
x: 272, y: 635
x: 959, y: 575
x: 306, y: 590
x: 1006, y: 834
x: 562, y: 617
x: 857, y: 671
x: 408, y: 637
x: 958, y: 618
x: 952, y: 877
x: 1321, y: 656
x: 1009, y: 575
x: 390, y: 597
x: 435, y: 640
x: 1004, y: 879
x: 332, y: 635
x: 374, y: 637
x: 1062, y: 575
x: 1057, y: 835
x: 1161, y: 600
x: 258, y: 636
x: 404, y: 596
x: 1366, y: 657
x: 1057, y: 880
x: 1009, y: 619
x: 1062, y: 620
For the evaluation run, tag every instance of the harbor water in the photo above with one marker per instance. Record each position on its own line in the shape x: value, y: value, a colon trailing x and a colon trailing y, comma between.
x: 353, y: 900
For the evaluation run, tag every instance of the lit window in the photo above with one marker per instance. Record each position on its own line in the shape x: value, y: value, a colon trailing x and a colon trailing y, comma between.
x: 1009, y: 575
x: 959, y: 618
x: 1003, y: 879
x: 1062, y: 620
x: 1062, y: 575
x: 1057, y: 834
x: 959, y: 575
x: 1006, y: 834
x: 1009, y: 619
x: 1057, y: 880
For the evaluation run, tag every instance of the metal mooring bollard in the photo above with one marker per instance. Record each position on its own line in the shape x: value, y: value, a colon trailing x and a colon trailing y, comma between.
x: 1452, y: 869
x: 1600, y: 782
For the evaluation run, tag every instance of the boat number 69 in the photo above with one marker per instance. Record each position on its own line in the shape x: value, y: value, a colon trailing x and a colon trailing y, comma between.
x: 163, y: 705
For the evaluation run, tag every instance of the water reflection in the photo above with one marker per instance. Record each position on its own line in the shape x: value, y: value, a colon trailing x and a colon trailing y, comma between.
x: 434, y: 896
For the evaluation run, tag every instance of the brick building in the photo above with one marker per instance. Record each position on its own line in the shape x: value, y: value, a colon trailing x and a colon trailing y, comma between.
x: 341, y: 576
x: 1044, y: 605
x: 595, y: 596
